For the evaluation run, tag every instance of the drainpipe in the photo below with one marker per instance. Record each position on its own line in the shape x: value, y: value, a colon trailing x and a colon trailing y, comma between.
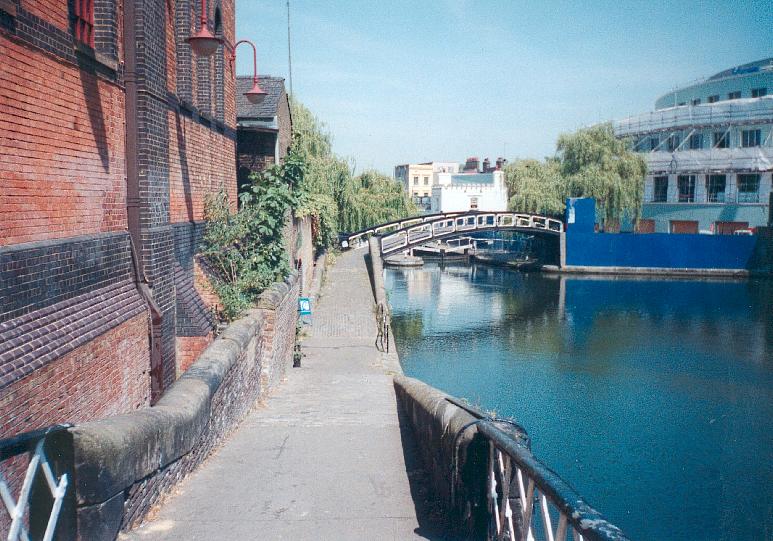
x: 133, y: 196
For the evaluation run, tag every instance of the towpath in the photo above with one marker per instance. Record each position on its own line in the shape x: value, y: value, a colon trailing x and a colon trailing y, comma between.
x: 324, y: 458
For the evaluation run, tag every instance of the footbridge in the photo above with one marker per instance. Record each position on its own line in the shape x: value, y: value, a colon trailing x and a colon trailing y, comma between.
x: 408, y: 233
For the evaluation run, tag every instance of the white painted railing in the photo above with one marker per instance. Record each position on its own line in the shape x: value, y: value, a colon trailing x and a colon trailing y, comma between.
x: 18, y: 507
x: 447, y: 225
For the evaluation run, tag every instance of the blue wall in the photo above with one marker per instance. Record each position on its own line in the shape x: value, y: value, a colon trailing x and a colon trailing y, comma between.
x: 660, y: 250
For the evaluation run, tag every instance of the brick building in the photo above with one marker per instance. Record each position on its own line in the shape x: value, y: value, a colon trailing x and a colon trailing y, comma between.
x: 112, y: 133
x: 264, y: 131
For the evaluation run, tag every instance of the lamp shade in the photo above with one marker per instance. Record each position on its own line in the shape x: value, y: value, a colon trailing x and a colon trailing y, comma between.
x: 256, y: 95
x: 203, y: 42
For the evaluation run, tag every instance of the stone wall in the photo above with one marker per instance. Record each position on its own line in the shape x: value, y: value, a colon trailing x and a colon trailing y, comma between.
x: 124, y: 464
x: 452, y: 451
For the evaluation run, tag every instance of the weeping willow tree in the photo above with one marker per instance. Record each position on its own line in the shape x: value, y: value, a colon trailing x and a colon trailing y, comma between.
x: 590, y: 162
x: 535, y: 186
x: 330, y: 194
x: 594, y: 163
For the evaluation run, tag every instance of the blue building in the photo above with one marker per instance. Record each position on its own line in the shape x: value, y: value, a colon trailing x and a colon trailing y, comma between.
x: 709, y: 153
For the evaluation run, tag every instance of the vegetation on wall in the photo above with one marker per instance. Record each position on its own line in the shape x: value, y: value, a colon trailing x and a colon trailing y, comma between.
x: 331, y: 194
x: 245, y: 250
x: 590, y: 162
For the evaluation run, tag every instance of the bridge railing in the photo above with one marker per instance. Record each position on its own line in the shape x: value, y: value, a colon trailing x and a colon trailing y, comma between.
x: 449, y: 224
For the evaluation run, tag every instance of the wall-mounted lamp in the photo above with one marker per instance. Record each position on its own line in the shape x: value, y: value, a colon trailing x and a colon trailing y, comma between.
x: 203, y: 42
x: 255, y: 95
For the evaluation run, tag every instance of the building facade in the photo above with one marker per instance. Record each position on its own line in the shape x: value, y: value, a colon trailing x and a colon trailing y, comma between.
x: 709, y: 153
x: 113, y: 134
x: 264, y: 131
x: 461, y: 192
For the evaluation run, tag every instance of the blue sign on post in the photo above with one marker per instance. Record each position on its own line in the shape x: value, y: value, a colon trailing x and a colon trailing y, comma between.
x: 304, y: 306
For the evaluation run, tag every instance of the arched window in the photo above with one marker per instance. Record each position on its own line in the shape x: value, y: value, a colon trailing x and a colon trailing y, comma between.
x: 220, y: 63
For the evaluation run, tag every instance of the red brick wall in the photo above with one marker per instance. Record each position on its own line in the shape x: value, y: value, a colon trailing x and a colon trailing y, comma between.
x: 62, y: 139
x: 107, y: 376
x: 201, y: 160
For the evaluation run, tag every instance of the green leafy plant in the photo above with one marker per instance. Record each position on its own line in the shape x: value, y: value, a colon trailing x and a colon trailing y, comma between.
x: 245, y: 250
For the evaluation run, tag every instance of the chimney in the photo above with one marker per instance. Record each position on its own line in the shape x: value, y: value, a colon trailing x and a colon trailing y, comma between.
x: 471, y: 166
x: 486, y: 165
x: 500, y: 164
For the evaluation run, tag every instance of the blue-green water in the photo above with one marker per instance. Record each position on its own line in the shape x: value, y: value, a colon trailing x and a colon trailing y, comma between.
x: 653, y: 398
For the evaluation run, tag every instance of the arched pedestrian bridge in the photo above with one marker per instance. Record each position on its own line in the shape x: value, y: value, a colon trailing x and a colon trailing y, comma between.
x: 408, y: 233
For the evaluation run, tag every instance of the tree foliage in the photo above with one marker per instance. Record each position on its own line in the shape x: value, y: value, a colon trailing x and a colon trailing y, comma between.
x: 535, y: 186
x: 330, y: 193
x: 594, y: 163
x: 591, y: 162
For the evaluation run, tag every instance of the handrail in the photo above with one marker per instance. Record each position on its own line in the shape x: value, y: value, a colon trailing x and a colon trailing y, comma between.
x: 32, y: 442
x: 513, y: 467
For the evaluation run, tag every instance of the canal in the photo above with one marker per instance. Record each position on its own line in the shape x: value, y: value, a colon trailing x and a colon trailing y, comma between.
x: 653, y: 398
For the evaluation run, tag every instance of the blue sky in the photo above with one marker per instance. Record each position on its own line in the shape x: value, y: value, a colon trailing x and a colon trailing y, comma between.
x: 408, y: 81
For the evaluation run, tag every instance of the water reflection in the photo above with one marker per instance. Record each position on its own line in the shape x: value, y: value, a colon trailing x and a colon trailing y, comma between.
x: 653, y: 397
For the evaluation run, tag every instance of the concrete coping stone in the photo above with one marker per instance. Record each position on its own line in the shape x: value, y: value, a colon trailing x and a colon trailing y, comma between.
x: 272, y: 297
x: 114, y: 453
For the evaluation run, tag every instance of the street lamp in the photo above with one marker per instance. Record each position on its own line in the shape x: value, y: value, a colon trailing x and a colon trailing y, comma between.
x: 203, y: 42
x: 255, y: 95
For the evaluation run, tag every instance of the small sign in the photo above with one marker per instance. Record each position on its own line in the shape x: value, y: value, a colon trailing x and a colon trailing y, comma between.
x: 304, y: 306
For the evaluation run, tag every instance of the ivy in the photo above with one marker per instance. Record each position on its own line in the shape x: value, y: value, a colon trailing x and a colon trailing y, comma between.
x: 245, y: 250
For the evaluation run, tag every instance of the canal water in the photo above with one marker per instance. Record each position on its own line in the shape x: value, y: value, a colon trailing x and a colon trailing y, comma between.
x: 652, y: 398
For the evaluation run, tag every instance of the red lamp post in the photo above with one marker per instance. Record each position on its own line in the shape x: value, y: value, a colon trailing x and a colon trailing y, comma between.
x: 255, y: 95
x: 203, y: 42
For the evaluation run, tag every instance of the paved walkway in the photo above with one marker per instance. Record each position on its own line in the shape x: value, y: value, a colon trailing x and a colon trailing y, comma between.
x: 324, y: 458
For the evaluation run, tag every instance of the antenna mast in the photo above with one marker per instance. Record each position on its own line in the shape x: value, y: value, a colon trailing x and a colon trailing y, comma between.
x: 289, y: 50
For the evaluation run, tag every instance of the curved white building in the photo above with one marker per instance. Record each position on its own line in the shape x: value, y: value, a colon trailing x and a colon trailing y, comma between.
x: 709, y: 153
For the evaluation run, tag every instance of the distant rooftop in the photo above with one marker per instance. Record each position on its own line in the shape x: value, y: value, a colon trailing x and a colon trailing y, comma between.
x: 274, y: 86
x: 751, y: 67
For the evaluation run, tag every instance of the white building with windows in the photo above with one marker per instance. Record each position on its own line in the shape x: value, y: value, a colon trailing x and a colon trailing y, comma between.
x: 418, y: 179
x: 709, y: 153
x: 460, y: 192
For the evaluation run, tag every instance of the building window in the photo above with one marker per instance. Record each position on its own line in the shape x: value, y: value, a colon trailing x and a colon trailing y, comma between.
x: 720, y: 139
x: 714, y: 98
x: 734, y: 95
x: 426, y: 181
x: 751, y: 138
x: 681, y: 104
x: 715, y: 188
x: 696, y: 101
x: 673, y: 142
x: 686, y: 186
x: 415, y: 181
x: 759, y: 92
x: 473, y: 203
x: 654, y: 143
x: 660, y: 194
x: 749, y: 188
x: 83, y: 15
x: 696, y: 141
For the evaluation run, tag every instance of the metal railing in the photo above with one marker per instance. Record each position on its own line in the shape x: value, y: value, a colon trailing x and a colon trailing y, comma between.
x: 19, y: 508
x: 526, y: 500
x: 447, y: 225
x: 382, y: 318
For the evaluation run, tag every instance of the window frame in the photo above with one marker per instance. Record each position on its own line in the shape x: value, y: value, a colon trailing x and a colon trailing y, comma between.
x: 713, y: 98
x: 655, y: 192
x: 720, y: 139
x: 689, y: 195
x: 695, y: 141
x: 759, y: 92
x: 83, y: 22
x: 751, y: 138
x: 734, y: 95
x: 750, y: 196
x: 713, y: 195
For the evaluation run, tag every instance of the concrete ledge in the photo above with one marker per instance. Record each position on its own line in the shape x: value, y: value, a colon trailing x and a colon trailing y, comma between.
x: 453, y: 452
x: 651, y: 271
